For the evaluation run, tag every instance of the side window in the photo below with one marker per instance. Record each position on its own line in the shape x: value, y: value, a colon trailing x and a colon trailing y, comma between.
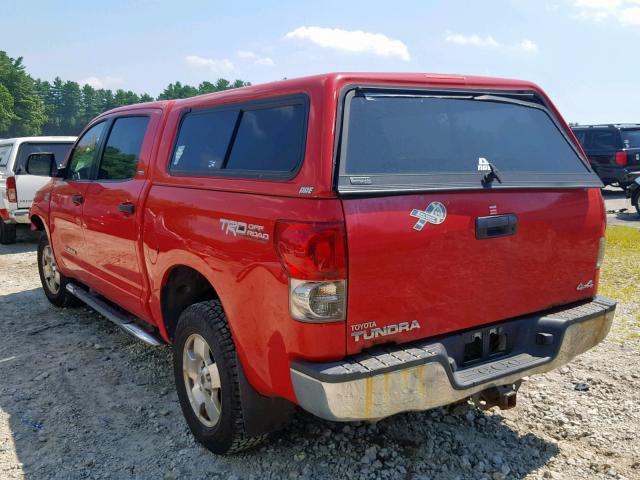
x: 5, y: 150
x: 203, y: 141
x: 604, y: 139
x: 580, y: 135
x: 83, y: 157
x: 122, y: 150
x: 250, y: 138
x: 269, y: 139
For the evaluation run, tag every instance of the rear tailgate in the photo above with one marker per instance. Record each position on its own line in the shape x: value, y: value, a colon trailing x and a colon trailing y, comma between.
x: 437, y: 243
x: 447, y: 280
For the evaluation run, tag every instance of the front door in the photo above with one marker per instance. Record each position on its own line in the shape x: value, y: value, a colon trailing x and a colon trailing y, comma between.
x: 67, y: 201
x: 112, y: 211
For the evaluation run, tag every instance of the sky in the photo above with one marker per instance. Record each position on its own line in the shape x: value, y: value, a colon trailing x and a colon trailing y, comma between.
x: 583, y: 53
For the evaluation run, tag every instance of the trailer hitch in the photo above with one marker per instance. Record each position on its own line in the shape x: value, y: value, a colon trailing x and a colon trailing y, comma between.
x: 503, y: 397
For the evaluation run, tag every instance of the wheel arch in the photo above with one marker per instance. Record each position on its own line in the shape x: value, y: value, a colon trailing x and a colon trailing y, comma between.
x: 182, y: 286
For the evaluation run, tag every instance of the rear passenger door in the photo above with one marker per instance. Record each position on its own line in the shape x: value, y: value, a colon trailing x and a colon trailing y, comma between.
x: 112, y: 210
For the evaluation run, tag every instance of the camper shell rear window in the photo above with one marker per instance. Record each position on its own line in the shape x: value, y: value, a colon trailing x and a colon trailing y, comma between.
x: 423, y: 140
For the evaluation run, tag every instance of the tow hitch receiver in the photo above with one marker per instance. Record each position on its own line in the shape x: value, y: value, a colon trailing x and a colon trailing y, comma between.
x: 503, y: 397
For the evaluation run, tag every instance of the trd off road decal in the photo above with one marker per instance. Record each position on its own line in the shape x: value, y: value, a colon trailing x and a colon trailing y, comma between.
x: 243, y: 229
x: 435, y: 213
x: 369, y: 331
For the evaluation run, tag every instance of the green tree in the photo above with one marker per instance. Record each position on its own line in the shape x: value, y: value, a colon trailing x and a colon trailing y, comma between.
x: 27, y: 114
x: 6, y: 109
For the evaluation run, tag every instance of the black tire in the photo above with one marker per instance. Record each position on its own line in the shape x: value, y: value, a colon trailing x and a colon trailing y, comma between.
x: 208, y: 320
x: 635, y: 200
x: 7, y: 233
x: 60, y: 297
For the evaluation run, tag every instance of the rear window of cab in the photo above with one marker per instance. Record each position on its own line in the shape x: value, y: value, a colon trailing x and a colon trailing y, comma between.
x: 261, y: 139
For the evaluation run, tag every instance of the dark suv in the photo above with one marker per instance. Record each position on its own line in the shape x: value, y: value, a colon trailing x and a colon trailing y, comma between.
x: 613, y: 150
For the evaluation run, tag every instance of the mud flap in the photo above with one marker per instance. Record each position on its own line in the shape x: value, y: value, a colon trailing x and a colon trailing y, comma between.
x: 261, y: 414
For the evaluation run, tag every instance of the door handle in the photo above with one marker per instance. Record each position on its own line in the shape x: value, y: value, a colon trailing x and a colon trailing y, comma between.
x: 77, y: 199
x: 127, y: 208
x: 496, y: 226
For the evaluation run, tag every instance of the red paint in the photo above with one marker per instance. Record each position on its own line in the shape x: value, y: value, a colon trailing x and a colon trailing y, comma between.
x: 441, y: 276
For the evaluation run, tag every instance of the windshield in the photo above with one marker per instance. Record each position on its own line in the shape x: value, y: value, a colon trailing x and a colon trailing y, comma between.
x: 631, y: 138
x: 425, y: 135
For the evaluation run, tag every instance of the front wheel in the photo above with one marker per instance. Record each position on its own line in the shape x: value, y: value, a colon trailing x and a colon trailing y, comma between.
x: 54, y: 282
x: 206, y: 376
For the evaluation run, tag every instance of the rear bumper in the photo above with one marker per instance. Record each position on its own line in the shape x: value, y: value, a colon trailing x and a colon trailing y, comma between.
x: 423, y: 375
x: 15, y: 216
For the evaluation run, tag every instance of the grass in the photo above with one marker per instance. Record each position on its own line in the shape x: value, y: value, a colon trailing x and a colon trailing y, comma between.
x: 620, y: 279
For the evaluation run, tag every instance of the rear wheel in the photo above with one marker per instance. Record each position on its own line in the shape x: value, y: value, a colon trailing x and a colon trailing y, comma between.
x: 7, y: 232
x: 54, y: 282
x: 206, y: 376
x: 635, y: 200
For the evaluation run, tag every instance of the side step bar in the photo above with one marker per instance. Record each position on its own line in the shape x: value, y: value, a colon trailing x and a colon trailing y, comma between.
x: 100, y: 306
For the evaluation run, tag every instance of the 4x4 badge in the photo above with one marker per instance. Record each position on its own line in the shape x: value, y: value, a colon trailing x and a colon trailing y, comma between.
x: 435, y: 213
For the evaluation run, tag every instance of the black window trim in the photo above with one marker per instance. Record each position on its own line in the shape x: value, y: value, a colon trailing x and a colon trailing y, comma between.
x: 95, y: 171
x: 251, y: 105
x: 449, y: 181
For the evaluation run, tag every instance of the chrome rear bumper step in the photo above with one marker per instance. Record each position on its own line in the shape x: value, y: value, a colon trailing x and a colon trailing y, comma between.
x: 99, y: 305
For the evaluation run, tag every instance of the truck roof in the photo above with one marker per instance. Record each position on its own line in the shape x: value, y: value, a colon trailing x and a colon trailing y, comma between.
x: 50, y: 139
x: 608, y: 125
x: 341, y: 78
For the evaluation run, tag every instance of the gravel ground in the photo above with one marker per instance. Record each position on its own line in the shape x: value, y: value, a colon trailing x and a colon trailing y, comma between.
x: 80, y: 399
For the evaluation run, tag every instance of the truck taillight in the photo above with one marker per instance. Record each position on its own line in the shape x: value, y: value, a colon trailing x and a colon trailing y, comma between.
x: 621, y: 158
x: 312, y: 251
x: 314, y: 257
x: 10, y: 184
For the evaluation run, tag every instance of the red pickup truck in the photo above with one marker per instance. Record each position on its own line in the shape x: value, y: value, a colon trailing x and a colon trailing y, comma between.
x: 355, y: 244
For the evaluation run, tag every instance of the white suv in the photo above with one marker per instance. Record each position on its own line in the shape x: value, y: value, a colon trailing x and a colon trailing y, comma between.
x: 17, y: 186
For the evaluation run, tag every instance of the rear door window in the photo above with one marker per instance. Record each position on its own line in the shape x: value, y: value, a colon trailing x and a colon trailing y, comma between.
x: 59, y: 150
x: 122, y: 150
x: 258, y: 139
x: 398, y: 140
x: 602, y: 139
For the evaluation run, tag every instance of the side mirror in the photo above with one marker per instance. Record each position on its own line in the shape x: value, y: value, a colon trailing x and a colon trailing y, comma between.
x: 42, y: 164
